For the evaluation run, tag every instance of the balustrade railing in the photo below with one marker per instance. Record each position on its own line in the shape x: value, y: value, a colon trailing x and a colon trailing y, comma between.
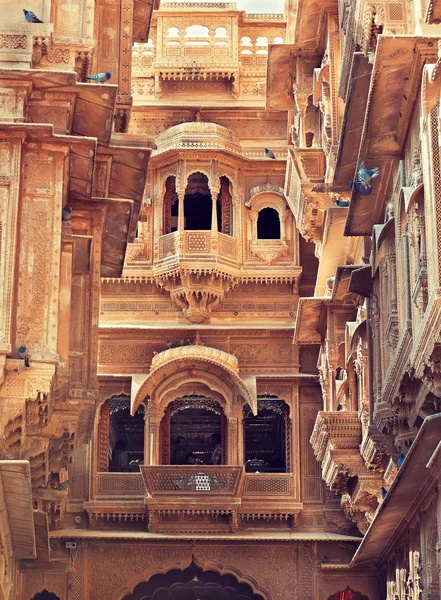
x: 268, y: 484
x: 197, y: 243
x: 169, y: 480
x: 122, y: 485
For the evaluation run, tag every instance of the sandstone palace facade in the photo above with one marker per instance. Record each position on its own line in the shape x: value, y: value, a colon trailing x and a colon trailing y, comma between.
x: 220, y: 365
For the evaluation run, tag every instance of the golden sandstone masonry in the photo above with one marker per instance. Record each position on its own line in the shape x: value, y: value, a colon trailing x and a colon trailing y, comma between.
x: 220, y: 301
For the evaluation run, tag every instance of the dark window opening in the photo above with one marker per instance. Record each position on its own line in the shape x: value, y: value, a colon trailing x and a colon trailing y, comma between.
x: 197, y: 210
x: 170, y: 207
x: 268, y: 224
x: 45, y: 595
x: 196, y: 428
x: 198, y: 205
x: 266, y: 437
x: 126, y: 436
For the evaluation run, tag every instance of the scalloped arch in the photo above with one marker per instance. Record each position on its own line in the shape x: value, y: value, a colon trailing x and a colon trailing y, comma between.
x: 193, y: 355
x: 184, y: 564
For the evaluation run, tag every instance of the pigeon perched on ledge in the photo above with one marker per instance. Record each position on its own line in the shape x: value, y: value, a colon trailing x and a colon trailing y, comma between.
x: 22, y: 353
x: 362, y: 184
x: 100, y: 77
x: 269, y: 153
x: 31, y: 17
x: 67, y: 213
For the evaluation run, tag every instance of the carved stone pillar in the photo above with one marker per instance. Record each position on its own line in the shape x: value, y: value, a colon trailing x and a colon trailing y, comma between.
x: 214, y: 228
x: 233, y: 458
x: 154, y: 448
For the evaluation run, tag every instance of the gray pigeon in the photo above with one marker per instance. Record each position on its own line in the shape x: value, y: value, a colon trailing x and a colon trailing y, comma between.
x: 63, y: 486
x: 101, y: 77
x: 31, y: 17
x: 22, y: 353
x: 67, y: 213
x: 269, y: 153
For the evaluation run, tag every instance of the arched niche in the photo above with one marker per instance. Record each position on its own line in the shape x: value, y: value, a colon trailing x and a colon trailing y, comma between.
x: 45, y: 595
x: 347, y: 594
x: 194, y: 582
x: 268, y: 224
x: 268, y: 200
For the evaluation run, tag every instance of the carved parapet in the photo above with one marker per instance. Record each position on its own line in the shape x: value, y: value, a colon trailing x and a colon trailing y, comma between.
x: 191, y: 136
x: 390, y: 474
x: 203, y: 499
x: 310, y: 164
x: 22, y: 382
x: 373, y: 449
x: 338, y: 430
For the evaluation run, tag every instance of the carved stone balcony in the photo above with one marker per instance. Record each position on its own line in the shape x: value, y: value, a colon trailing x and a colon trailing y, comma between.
x: 336, y: 440
x: 197, y: 268
x: 194, y: 498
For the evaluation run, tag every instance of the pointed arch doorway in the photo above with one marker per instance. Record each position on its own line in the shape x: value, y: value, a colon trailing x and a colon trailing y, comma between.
x: 193, y: 583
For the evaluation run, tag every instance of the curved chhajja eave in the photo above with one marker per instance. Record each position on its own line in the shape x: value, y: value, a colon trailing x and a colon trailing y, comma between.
x: 224, y: 364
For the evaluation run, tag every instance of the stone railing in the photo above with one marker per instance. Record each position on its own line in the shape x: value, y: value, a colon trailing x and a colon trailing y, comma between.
x: 127, y: 486
x: 268, y: 485
x: 197, y: 243
x: 339, y: 429
x: 168, y: 244
x: 169, y: 480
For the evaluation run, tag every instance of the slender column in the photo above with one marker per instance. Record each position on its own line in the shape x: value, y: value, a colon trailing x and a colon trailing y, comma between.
x: 154, y: 450
x: 214, y: 229
x: 232, y: 441
x: 181, y: 219
x: 146, y: 439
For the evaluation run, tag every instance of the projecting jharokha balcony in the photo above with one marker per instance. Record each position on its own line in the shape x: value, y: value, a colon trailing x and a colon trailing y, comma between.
x: 194, y: 498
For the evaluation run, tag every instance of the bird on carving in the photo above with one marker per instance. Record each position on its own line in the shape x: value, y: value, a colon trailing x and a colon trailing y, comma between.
x: 100, y: 77
x: 31, y: 17
x: 67, y: 213
x: 22, y: 353
x: 269, y: 153
x: 342, y: 203
x: 184, y: 342
x: 362, y: 184
x: 181, y: 121
x: 63, y: 485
